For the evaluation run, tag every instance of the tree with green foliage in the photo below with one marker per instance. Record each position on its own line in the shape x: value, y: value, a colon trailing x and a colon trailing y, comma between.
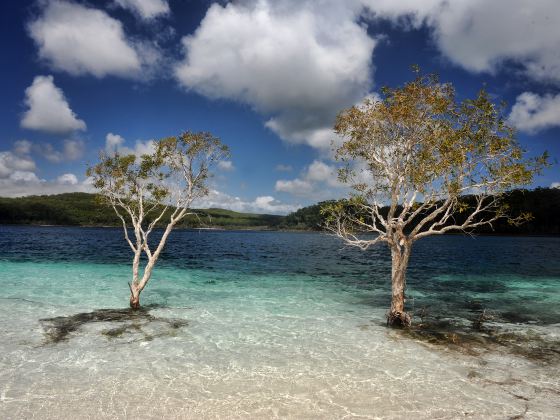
x: 155, y: 188
x: 417, y: 151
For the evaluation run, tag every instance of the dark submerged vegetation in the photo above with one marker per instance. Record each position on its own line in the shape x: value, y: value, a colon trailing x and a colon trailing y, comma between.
x: 128, y: 321
x: 484, y: 335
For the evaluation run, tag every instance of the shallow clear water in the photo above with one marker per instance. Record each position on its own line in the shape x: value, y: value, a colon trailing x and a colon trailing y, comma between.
x: 279, y: 325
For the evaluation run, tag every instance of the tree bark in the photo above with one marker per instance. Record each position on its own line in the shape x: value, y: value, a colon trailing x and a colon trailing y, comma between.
x: 139, y: 284
x: 397, y: 316
x: 134, y: 295
x: 134, y: 286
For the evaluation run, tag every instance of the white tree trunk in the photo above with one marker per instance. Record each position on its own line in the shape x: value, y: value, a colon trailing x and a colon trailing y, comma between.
x: 134, y: 296
x: 137, y: 285
x: 134, y: 291
x: 397, y: 314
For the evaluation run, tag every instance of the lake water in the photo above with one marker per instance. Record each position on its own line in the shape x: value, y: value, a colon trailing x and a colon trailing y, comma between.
x: 276, y: 325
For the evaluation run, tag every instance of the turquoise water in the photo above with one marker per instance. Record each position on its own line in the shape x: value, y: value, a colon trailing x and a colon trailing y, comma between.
x: 279, y: 325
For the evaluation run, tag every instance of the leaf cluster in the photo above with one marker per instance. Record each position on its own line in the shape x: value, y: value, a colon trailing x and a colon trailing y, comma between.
x: 419, y: 137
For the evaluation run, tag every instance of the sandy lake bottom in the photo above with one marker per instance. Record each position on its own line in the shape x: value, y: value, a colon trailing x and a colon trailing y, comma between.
x: 274, y: 325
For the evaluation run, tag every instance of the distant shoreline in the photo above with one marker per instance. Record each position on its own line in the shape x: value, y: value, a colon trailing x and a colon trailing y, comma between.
x: 213, y: 228
x: 83, y: 210
x: 273, y: 229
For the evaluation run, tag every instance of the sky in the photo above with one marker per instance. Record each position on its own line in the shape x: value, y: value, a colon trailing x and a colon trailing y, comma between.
x: 267, y: 77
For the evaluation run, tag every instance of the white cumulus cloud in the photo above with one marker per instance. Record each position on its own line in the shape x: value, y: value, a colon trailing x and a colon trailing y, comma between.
x: 226, y: 165
x: 48, y: 110
x: 18, y: 177
x: 23, y: 183
x: 532, y: 112
x: 300, y: 62
x: 80, y: 40
x: 146, y: 9
x: 296, y: 186
x: 269, y: 204
x: 67, y: 179
x: 321, y: 172
x: 114, y: 143
x: 22, y: 147
x: 24, y: 177
x: 313, y: 183
x: 262, y: 204
x: 71, y: 150
x: 10, y: 162
x: 482, y: 36
x: 297, y: 63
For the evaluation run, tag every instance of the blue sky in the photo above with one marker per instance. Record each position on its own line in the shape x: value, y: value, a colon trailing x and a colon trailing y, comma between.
x: 267, y: 77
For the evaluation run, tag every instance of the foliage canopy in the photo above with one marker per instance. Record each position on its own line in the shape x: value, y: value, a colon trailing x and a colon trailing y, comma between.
x: 419, y: 150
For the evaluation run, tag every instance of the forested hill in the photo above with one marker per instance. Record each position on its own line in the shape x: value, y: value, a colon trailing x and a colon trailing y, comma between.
x: 542, y: 203
x: 81, y: 209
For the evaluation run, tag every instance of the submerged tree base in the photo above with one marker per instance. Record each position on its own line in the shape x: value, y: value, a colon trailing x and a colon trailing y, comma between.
x: 134, y: 302
x: 397, y: 319
x: 132, y: 320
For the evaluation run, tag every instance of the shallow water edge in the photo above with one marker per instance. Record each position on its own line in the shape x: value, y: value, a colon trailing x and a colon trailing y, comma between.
x: 266, y: 325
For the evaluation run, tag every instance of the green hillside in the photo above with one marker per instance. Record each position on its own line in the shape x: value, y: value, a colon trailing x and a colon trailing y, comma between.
x: 82, y: 209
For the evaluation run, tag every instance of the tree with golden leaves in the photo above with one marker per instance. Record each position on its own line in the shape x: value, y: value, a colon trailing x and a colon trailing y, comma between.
x: 411, y: 157
x: 155, y: 189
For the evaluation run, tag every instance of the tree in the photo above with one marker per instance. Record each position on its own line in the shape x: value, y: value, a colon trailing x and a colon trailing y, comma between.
x: 155, y: 189
x: 418, y: 152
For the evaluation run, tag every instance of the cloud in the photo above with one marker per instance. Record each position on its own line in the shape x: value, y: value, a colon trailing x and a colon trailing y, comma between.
x: 114, y: 143
x: 23, y: 183
x: 82, y: 40
x: 284, y: 168
x: 325, y: 64
x: 48, y: 110
x: 67, y: 179
x: 24, y: 177
x: 555, y: 185
x: 482, y: 36
x: 297, y: 63
x: 72, y: 150
x: 313, y: 183
x: 297, y: 186
x: 11, y: 162
x: 322, y: 138
x: 326, y: 60
x: 269, y: 204
x: 22, y: 147
x: 49, y: 152
x: 321, y: 172
x: 146, y: 9
x: 532, y: 113
x: 226, y: 165
x: 18, y: 177
x: 262, y: 204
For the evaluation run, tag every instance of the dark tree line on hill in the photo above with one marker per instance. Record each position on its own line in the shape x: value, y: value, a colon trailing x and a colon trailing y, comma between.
x: 542, y: 203
x: 81, y: 209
